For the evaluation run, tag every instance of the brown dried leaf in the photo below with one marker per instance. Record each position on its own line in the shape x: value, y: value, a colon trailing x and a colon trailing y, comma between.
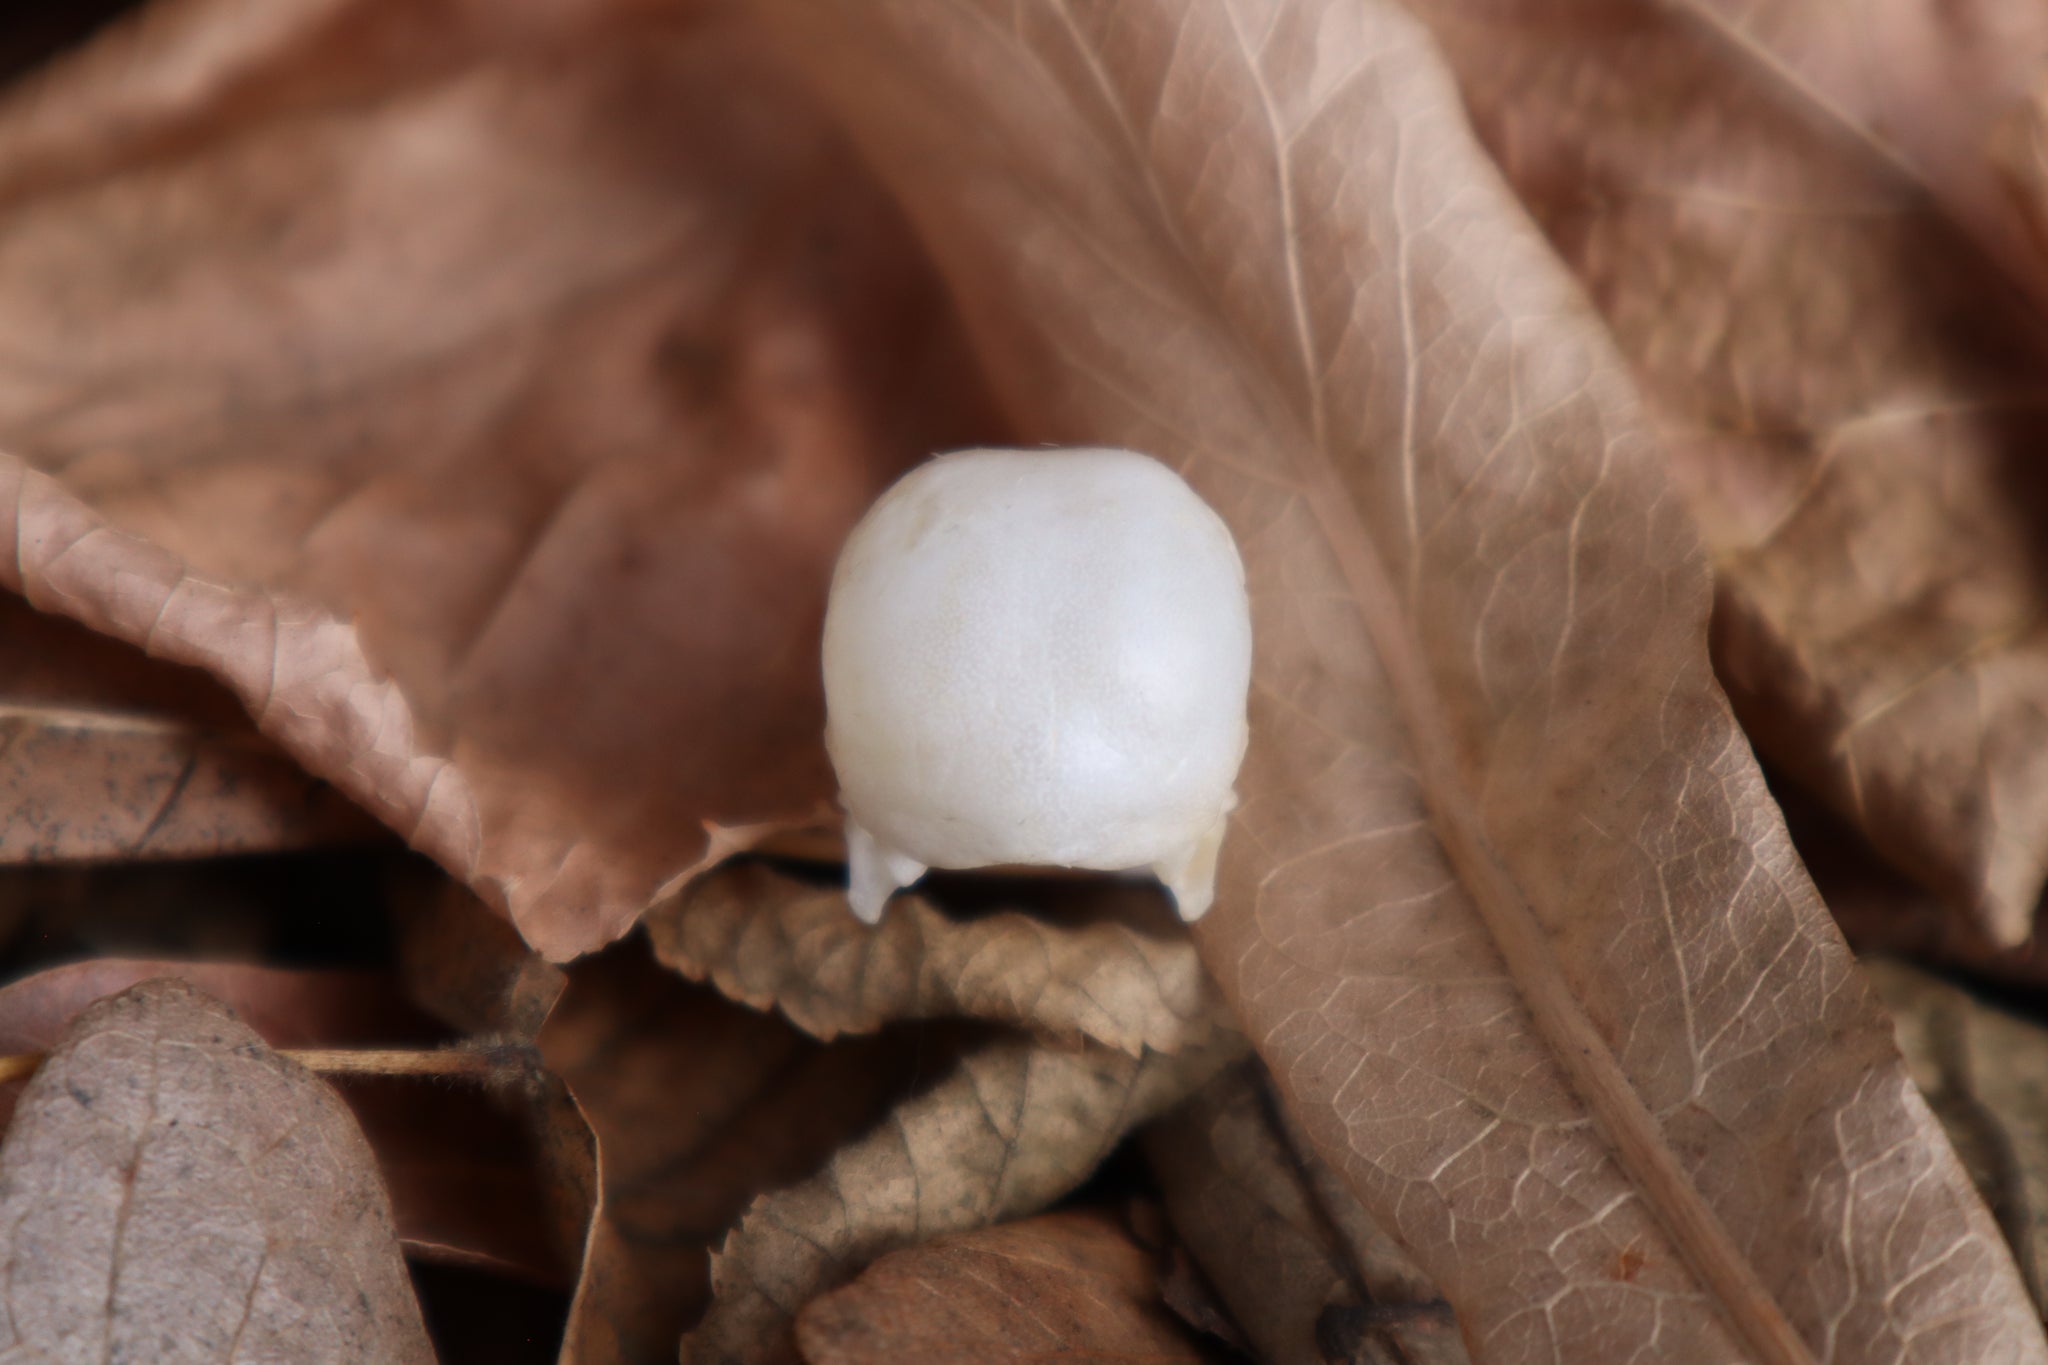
x: 1506, y: 907
x: 1929, y: 86
x: 175, y: 73
x: 1015, y: 1125
x: 1126, y: 975
x: 1883, y: 912
x: 697, y: 1106
x: 1283, y: 1247
x: 1851, y: 390
x: 2019, y: 154
x: 470, y: 969
x: 1062, y: 1286
x: 487, y: 420
x: 1985, y: 1072
x: 1187, y: 1292
x: 106, y: 754
x: 172, y: 1190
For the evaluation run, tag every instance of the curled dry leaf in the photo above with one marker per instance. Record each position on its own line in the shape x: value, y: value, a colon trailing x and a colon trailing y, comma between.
x: 105, y: 754
x: 1016, y: 1124
x: 486, y: 423
x: 1116, y: 985
x: 1850, y: 389
x: 172, y: 1190
x: 1062, y: 1286
x: 1126, y: 976
x: 1283, y: 1243
x: 1986, y: 1074
x: 1506, y: 908
x: 697, y: 1105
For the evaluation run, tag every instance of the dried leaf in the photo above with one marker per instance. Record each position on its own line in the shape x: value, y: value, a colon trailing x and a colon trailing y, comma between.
x: 1062, y: 1286
x: 1126, y: 975
x: 288, y: 1008
x: 1882, y: 912
x: 487, y: 420
x: 174, y: 73
x: 1927, y: 85
x: 171, y: 1190
x: 1268, y: 1232
x: 1506, y: 907
x: 468, y: 968
x: 1986, y: 1074
x: 1850, y: 388
x: 1187, y: 1292
x: 697, y: 1106
x: 2019, y: 155
x: 459, y: 1172
x: 104, y: 754
x: 1015, y: 1125
x: 1117, y: 971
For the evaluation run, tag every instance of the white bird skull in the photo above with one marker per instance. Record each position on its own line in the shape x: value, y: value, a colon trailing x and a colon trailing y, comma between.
x: 1037, y: 657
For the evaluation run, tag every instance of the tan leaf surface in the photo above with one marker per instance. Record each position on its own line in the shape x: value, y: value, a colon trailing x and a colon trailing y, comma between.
x: 171, y: 1190
x: 697, y: 1105
x: 1062, y: 1286
x: 2019, y: 153
x: 1506, y: 907
x: 1124, y: 974
x: 174, y: 73
x: 1016, y: 1124
x: 1986, y: 1074
x: 486, y: 418
x: 456, y: 1162
x: 1851, y: 389
x: 105, y: 754
x: 1933, y: 87
x: 1283, y: 1248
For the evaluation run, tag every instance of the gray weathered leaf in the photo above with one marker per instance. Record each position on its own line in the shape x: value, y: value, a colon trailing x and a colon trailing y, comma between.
x: 173, y: 1191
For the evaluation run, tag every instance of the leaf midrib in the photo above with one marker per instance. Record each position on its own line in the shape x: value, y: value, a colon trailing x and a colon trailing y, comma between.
x: 1525, y: 946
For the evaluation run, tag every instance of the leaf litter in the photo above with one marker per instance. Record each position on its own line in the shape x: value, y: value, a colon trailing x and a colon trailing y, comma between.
x: 479, y: 394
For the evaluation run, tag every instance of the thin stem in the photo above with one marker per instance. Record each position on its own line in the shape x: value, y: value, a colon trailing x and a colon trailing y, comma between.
x: 476, y: 1063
